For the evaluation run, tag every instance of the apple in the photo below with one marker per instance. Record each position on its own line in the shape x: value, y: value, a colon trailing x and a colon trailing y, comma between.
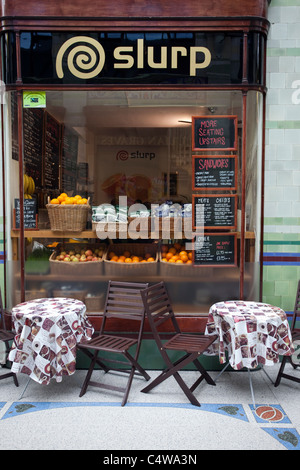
x: 89, y: 258
x: 66, y: 258
x: 88, y: 253
x: 95, y: 258
x: 75, y: 259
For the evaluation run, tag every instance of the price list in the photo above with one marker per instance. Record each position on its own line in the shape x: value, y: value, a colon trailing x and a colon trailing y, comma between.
x: 33, y: 125
x: 51, y: 153
x: 215, y: 250
x: 214, y: 211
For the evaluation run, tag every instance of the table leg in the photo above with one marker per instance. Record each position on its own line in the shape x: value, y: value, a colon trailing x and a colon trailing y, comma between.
x: 25, y: 388
x: 251, y: 388
x: 221, y: 372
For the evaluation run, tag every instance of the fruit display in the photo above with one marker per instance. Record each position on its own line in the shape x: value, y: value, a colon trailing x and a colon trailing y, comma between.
x: 64, y: 199
x: 28, y: 186
x: 79, y: 255
x: 176, y: 253
x: 127, y: 256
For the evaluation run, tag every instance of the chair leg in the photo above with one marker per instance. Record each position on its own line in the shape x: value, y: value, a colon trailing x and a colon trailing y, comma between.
x: 172, y: 370
x: 88, y: 375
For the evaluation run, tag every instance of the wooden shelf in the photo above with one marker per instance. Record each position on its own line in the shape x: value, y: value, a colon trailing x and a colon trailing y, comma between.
x: 46, y: 233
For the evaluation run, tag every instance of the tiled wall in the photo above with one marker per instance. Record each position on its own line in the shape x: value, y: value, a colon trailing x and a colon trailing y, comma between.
x: 282, y: 179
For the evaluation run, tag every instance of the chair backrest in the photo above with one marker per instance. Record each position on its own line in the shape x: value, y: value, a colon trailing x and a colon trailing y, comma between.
x: 296, y: 308
x: 159, y: 310
x: 123, y: 301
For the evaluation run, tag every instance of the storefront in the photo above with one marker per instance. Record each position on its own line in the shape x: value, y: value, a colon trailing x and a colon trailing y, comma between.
x: 154, y: 116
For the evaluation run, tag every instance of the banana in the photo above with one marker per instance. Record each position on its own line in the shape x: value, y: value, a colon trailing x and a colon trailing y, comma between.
x: 25, y: 183
x: 32, y: 187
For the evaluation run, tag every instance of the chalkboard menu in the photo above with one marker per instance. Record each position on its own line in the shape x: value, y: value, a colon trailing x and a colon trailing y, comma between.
x: 215, y: 250
x: 33, y: 123
x: 214, y: 132
x: 51, y: 152
x: 29, y: 214
x: 214, y: 172
x: 69, y: 160
x: 214, y: 211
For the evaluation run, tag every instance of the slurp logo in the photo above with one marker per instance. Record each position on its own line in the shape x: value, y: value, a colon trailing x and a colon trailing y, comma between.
x: 123, y: 155
x: 85, y: 57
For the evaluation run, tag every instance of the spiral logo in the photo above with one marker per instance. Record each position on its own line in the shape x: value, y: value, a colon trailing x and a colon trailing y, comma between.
x: 122, y: 155
x: 85, y: 57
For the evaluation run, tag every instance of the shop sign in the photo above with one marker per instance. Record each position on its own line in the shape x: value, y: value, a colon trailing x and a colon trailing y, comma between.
x: 136, y: 58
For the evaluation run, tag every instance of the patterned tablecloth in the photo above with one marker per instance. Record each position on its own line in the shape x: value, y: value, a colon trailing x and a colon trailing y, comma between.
x: 251, y: 332
x: 47, y: 332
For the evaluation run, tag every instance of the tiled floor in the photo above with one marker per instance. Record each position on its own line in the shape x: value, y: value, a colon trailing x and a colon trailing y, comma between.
x: 54, y: 417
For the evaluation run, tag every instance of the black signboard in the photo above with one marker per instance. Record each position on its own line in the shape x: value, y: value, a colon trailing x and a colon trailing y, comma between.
x: 33, y: 126
x: 51, y: 152
x: 215, y: 250
x: 30, y: 211
x: 69, y: 160
x: 215, y: 211
x: 214, y: 172
x: 214, y: 132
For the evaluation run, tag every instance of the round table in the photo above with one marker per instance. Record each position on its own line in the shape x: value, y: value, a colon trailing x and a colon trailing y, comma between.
x: 47, y: 332
x: 252, y: 333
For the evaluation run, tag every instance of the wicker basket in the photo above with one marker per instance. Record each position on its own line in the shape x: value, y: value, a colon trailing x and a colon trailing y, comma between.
x: 90, y: 268
x: 175, y: 269
x: 113, y: 268
x: 69, y: 217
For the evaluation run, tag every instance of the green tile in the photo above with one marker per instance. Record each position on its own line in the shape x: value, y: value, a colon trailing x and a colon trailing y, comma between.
x: 282, y: 287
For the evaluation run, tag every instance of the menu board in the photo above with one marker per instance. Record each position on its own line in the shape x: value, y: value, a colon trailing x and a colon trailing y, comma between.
x: 213, y: 172
x: 215, y: 211
x: 214, y: 132
x: 51, y: 152
x: 69, y: 160
x: 215, y: 250
x: 29, y: 214
x: 33, y: 124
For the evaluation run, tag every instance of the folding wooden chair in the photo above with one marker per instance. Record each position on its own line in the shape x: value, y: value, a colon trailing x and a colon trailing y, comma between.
x: 295, y: 336
x: 123, y: 301
x: 159, y: 310
x: 6, y: 336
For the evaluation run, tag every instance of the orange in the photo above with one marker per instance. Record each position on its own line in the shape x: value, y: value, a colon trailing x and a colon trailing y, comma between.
x: 126, y: 254
x: 54, y: 201
x: 68, y: 200
x: 111, y: 254
x: 135, y: 259
x: 179, y: 261
x: 171, y: 260
x: 84, y: 200
x: 120, y: 260
x: 175, y: 257
x: 182, y: 253
x: 61, y: 198
x: 150, y: 259
x: 114, y: 258
x: 148, y: 255
x: 128, y: 260
x: 164, y: 249
x: 190, y: 255
x: 184, y: 258
x: 189, y: 261
x: 172, y: 250
x: 169, y: 256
